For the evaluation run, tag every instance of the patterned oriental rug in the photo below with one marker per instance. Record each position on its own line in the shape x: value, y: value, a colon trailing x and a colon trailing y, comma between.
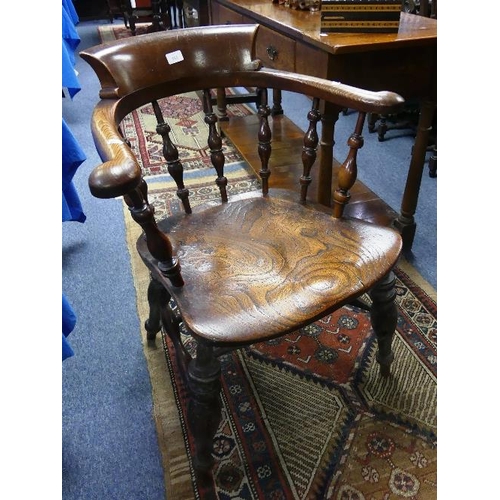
x: 306, y: 416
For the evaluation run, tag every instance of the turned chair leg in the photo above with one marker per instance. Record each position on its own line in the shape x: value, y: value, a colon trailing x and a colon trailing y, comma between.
x: 158, y: 297
x: 372, y: 119
x: 433, y: 164
x: 204, y: 409
x: 132, y: 21
x: 384, y: 317
x: 382, y: 128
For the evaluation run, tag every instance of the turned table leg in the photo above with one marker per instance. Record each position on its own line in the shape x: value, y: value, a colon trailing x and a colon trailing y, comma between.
x: 222, y: 105
x: 276, y: 109
x: 405, y: 222
x: 330, y: 115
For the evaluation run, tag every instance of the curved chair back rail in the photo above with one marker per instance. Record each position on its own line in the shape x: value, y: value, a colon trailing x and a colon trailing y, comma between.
x: 126, y: 65
x: 137, y: 70
x: 194, y: 55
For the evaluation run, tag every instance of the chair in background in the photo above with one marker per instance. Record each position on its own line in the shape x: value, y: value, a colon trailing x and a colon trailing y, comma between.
x: 247, y: 268
x: 426, y: 8
x: 115, y: 9
x: 156, y: 12
x: 177, y: 14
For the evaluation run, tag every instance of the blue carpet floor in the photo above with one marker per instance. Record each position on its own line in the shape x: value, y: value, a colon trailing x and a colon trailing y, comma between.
x: 109, y: 438
x: 109, y: 443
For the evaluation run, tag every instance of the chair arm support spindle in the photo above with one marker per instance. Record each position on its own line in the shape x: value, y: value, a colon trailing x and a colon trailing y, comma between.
x: 158, y: 242
x: 309, y: 151
x: 171, y: 155
x: 214, y: 142
x: 349, y: 169
x: 264, y: 136
x: 174, y: 166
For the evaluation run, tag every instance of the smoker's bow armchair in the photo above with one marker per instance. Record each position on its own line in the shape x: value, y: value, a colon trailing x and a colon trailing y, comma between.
x: 251, y: 267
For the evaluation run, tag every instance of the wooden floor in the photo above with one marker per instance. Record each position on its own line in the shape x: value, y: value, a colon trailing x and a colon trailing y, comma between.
x: 242, y: 131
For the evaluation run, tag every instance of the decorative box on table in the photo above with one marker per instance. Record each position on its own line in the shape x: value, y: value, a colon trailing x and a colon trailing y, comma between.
x: 360, y: 16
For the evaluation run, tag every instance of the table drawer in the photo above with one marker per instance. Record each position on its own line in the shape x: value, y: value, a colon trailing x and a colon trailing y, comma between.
x: 275, y: 50
x: 311, y: 61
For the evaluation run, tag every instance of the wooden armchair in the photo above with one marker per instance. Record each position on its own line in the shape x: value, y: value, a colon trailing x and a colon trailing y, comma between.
x: 252, y: 267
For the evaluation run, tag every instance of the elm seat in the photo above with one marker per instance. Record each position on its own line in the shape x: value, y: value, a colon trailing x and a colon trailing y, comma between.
x: 251, y: 275
x: 245, y: 268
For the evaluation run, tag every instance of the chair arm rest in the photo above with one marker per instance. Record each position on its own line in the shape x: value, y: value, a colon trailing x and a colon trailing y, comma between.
x: 119, y: 173
x: 347, y: 96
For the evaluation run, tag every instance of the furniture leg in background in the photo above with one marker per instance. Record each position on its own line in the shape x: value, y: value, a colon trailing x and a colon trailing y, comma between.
x: 330, y: 115
x: 156, y: 11
x: 405, y: 223
x: 176, y: 13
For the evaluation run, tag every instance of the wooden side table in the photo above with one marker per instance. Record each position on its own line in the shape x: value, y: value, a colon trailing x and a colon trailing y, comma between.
x: 404, y: 62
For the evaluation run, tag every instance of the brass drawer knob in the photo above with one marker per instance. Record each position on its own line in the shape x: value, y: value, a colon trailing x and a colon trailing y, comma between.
x: 272, y: 53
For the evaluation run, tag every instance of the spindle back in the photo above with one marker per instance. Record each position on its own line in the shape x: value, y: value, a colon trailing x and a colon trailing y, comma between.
x: 142, y: 69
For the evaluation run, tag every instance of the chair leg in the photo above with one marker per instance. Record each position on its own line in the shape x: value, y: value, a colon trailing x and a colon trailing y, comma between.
x: 204, y: 410
x: 433, y: 164
x: 372, y: 119
x: 382, y: 128
x: 132, y: 21
x: 157, y: 298
x: 384, y: 317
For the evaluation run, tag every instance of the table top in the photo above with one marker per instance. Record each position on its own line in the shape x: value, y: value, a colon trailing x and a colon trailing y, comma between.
x: 305, y: 25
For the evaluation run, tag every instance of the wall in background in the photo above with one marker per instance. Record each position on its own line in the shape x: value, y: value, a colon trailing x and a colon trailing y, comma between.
x: 94, y: 9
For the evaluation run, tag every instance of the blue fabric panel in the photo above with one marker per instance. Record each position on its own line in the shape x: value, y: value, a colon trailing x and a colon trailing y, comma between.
x: 70, y: 9
x: 70, y: 41
x: 68, y: 324
x: 72, y: 157
x: 69, y: 79
x: 71, y: 206
x: 70, y: 35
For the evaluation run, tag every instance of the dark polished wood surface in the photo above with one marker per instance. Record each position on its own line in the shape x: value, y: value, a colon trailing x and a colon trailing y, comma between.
x: 305, y: 26
x: 404, y: 62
